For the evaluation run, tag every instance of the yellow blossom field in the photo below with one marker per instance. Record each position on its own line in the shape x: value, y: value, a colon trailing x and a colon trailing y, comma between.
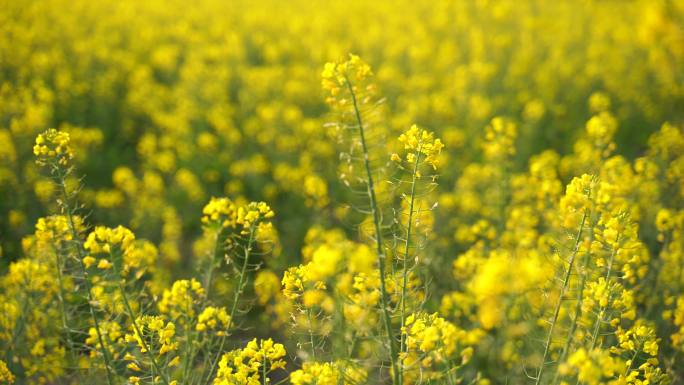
x: 353, y: 192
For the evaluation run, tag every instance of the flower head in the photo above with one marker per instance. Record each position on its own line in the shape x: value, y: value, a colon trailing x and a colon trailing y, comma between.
x: 52, y: 147
x: 421, y: 146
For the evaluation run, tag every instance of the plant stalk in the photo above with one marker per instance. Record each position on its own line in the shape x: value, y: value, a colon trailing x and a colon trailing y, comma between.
x: 378, y: 238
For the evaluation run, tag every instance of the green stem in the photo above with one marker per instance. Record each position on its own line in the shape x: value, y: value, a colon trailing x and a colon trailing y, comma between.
x: 86, y: 279
x: 311, y: 335
x: 212, y: 264
x: 450, y: 373
x: 236, y: 298
x: 597, y: 323
x: 263, y: 372
x: 404, y: 262
x: 566, y: 280
x: 631, y: 362
x: 134, y: 318
x: 17, y: 329
x: 205, y: 361
x: 378, y: 238
x: 578, y: 309
x: 191, y: 354
x: 60, y: 296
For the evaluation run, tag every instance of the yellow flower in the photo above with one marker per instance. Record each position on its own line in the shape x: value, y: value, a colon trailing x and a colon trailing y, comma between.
x: 5, y: 375
x: 340, y: 79
x: 213, y: 318
x: 219, y: 212
x: 180, y: 300
x: 420, y: 143
x: 248, y: 364
x: 52, y: 146
x: 88, y: 261
x: 328, y: 373
x: 103, y: 264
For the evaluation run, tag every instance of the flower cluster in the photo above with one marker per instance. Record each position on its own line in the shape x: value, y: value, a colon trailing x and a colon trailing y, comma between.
x: 249, y: 365
x: 112, y: 337
x: 500, y: 136
x: 107, y: 241
x: 601, y: 129
x: 153, y: 332
x: 223, y: 213
x: 5, y: 375
x: 213, y: 318
x: 53, y: 147
x: 344, y: 74
x: 219, y: 212
x: 253, y: 216
x: 435, y: 347
x: 180, y: 301
x: 678, y: 336
x: 328, y: 373
x: 419, y: 142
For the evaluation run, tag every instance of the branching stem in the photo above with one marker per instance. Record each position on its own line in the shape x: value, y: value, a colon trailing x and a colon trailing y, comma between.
x: 80, y: 254
x: 404, y: 282
x: 378, y: 237
x: 566, y: 280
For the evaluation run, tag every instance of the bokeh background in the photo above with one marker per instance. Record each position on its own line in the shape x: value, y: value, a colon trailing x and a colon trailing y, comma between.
x: 169, y: 102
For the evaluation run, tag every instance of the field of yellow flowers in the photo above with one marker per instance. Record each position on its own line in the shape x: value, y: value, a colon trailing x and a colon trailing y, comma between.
x: 307, y: 192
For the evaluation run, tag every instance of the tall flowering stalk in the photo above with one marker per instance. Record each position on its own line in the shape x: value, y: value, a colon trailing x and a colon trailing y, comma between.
x: 115, y: 249
x: 584, y: 276
x: 52, y: 234
x: 53, y: 152
x: 251, y: 364
x: 576, y: 203
x: 218, y: 218
x: 349, y: 85
x: 421, y: 149
x: 250, y: 221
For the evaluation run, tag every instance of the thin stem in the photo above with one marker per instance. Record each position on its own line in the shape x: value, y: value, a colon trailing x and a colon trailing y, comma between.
x: 236, y: 298
x: 311, y: 335
x: 131, y: 314
x: 566, y: 280
x: 404, y: 264
x: 18, y: 328
x: 212, y: 265
x: 191, y: 354
x: 631, y: 362
x: 62, y: 304
x: 578, y: 308
x: 378, y: 238
x: 597, y: 323
x: 243, y: 274
x: 449, y: 373
x: 205, y: 361
x: 263, y: 372
x: 86, y: 279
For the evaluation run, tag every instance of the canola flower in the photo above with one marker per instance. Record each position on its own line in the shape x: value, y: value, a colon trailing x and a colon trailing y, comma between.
x: 5, y: 375
x: 526, y: 223
x: 435, y: 348
x: 419, y: 142
x: 252, y: 364
x: 430, y: 347
x: 53, y: 146
x: 328, y: 373
x: 180, y: 301
x: 213, y: 318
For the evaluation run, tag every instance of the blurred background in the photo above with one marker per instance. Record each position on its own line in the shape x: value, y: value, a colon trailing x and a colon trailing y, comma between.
x: 169, y: 103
